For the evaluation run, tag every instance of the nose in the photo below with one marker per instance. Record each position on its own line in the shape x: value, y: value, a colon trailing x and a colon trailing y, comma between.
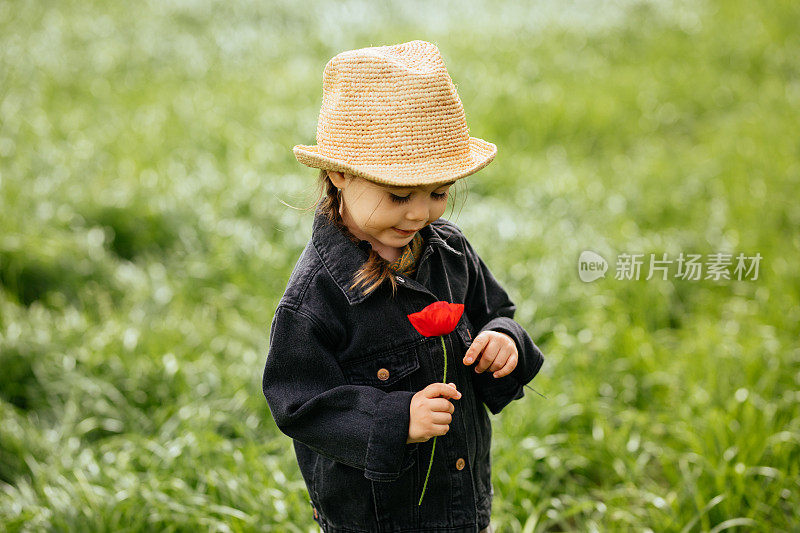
x: 418, y: 210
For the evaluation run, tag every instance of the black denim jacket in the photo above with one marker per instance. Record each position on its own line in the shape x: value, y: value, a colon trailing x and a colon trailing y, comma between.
x: 326, y: 384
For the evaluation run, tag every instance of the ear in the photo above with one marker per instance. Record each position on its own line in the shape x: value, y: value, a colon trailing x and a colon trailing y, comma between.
x: 337, y: 178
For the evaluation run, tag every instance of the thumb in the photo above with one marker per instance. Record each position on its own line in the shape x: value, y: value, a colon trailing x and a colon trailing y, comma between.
x: 449, y: 390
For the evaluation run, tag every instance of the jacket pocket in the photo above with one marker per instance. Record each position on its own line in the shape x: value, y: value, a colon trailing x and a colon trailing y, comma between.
x: 343, y: 497
x: 385, y: 367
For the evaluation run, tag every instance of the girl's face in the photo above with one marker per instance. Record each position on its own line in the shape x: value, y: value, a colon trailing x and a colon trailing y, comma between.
x: 388, y: 217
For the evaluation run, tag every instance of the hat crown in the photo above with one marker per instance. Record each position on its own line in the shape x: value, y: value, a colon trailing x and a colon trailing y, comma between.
x: 391, y: 114
x: 396, y: 102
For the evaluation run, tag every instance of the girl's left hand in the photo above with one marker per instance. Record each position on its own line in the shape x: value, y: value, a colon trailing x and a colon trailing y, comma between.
x: 496, y: 352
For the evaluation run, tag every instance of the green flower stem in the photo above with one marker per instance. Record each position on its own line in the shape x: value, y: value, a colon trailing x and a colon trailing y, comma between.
x: 433, y: 449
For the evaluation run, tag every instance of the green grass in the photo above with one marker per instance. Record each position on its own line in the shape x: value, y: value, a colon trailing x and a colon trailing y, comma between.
x: 144, y: 151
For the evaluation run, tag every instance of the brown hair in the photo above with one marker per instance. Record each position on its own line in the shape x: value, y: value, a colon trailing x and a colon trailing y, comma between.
x: 375, y: 270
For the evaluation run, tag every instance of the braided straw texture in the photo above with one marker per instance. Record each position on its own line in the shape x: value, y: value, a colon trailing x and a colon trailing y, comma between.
x: 391, y: 114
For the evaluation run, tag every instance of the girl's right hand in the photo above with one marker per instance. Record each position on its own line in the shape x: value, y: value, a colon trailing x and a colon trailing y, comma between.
x: 431, y: 412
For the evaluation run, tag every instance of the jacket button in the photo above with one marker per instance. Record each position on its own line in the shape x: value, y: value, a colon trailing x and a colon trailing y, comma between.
x: 460, y: 463
x: 383, y: 374
x: 315, y: 514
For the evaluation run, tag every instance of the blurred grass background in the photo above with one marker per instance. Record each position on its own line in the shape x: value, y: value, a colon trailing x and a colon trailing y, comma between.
x: 144, y: 151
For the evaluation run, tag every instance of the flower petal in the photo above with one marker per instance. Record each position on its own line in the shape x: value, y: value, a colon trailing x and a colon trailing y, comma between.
x: 438, y: 318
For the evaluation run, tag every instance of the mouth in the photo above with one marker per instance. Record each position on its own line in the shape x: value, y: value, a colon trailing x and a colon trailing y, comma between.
x: 404, y: 233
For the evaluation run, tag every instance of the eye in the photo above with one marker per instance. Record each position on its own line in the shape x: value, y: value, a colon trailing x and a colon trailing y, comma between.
x: 399, y: 199
x: 439, y: 195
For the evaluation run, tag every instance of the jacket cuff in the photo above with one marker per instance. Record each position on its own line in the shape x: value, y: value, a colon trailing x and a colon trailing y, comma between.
x: 388, y: 455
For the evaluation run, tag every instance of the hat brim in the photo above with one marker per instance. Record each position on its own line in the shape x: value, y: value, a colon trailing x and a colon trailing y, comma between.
x: 481, y: 153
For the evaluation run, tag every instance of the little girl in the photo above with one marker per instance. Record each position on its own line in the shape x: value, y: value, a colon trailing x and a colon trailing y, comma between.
x: 347, y: 376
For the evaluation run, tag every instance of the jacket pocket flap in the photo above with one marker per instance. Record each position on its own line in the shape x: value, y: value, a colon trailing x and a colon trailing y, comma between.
x: 384, y: 367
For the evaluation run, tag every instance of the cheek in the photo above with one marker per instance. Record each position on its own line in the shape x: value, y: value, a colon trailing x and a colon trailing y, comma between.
x: 438, y: 210
x: 387, y: 216
x: 378, y: 214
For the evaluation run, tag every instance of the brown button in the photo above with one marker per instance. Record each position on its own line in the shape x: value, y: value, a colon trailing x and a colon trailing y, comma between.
x: 383, y: 374
x: 460, y: 463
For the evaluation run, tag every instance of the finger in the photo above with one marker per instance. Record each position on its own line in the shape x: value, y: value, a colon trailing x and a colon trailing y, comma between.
x: 489, y: 355
x: 500, y: 361
x: 441, y: 418
x: 509, y: 355
x: 441, y: 405
x: 476, y: 347
x: 510, y: 365
x: 439, y: 429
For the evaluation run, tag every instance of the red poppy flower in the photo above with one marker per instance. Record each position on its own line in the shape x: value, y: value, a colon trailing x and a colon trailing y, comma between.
x: 439, y: 318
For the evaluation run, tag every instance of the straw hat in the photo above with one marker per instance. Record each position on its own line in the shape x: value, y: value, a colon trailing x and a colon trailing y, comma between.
x: 391, y: 114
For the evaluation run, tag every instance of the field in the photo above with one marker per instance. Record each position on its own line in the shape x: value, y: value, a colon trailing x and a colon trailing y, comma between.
x: 145, y: 152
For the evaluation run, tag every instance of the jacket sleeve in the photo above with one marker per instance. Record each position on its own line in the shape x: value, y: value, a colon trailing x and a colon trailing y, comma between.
x: 488, y: 307
x: 312, y: 402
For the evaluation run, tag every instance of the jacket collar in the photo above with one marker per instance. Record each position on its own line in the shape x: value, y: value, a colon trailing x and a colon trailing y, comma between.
x: 342, y: 257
